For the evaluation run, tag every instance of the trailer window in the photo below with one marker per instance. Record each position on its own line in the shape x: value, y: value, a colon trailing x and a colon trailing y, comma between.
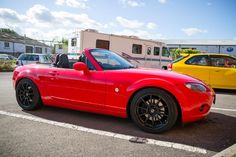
x: 165, y: 52
x: 104, y: 44
x: 137, y: 49
x: 149, y: 50
x: 73, y: 41
x: 156, y: 51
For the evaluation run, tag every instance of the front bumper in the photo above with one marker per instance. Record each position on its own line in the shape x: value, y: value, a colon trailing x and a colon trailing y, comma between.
x: 198, y: 106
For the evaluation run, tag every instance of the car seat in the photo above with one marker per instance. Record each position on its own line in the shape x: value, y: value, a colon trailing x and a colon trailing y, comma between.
x: 56, y: 60
x: 61, y: 61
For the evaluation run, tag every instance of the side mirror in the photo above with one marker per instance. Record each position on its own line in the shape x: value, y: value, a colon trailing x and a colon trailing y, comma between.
x: 81, y: 67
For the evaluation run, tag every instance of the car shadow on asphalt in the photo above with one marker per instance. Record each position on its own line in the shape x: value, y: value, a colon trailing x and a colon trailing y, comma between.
x: 225, y: 91
x: 215, y: 133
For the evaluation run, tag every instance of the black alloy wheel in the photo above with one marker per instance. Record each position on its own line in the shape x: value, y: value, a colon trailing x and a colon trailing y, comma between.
x: 27, y: 95
x: 154, y: 110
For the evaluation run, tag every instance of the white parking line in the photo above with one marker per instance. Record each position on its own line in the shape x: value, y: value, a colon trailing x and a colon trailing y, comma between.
x: 223, y: 109
x: 105, y: 133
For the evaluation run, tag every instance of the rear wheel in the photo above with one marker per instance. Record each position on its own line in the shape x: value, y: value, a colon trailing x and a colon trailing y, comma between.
x: 153, y: 110
x: 27, y: 95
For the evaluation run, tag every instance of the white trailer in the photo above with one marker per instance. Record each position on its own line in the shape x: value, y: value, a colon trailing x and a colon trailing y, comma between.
x: 141, y: 52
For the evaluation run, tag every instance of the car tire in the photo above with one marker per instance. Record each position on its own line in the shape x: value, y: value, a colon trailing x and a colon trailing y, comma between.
x: 27, y: 95
x: 153, y: 110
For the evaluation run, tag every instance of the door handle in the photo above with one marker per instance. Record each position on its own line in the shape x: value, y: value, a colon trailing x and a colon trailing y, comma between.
x: 217, y: 71
x: 53, y: 73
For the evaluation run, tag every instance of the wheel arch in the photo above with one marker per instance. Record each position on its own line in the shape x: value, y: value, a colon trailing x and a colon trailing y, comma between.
x: 160, y: 86
x: 25, y: 77
x: 30, y: 77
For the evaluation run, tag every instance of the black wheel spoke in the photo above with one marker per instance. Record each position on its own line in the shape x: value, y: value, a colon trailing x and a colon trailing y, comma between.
x: 152, y: 111
x: 144, y: 102
x: 143, y: 108
x: 147, y: 118
x: 158, y: 101
x: 150, y: 99
x: 153, y: 121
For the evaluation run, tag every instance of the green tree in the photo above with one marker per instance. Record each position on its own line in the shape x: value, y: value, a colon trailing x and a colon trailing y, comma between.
x: 178, y: 52
x: 7, y: 30
x: 64, y: 41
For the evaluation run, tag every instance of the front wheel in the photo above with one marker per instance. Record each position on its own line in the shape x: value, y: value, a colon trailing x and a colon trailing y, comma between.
x: 153, y: 110
x: 27, y: 95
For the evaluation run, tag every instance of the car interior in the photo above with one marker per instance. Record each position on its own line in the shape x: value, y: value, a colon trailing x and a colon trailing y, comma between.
x: 62, y: 61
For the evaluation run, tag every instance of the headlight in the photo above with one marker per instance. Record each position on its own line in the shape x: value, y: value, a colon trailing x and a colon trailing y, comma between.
x: 196, y: 87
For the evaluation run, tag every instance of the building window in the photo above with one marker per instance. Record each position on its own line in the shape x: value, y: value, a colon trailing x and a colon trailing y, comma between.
x: 73, y: 41
x: 29, y: 49
x: 137, y: 49
x: 104, y: 44
x: 60, y: 47
x: 38, y: 50
x: 6, y: 44
x: 45, y: 50
x: 156, y: 51
x: 149, y: 50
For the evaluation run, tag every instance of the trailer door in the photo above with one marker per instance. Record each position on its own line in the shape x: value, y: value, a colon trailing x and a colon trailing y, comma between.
x: 103, y: 44
x: 148, y: 56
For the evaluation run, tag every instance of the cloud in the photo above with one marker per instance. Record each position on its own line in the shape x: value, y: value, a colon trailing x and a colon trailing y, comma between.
x: 162, y: 1
x: 193, y: 31
x: 73, y: 3
x: 151, y: 25
x: 129, y: 23
x: 10, y: 15
x: 131, y: 3
x: 41, y: 23
x: 40, y: 13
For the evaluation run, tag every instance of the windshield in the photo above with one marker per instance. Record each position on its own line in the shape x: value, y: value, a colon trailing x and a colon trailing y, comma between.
x: 178, y: 59
x: 110, y: 60
x: 45, y: 59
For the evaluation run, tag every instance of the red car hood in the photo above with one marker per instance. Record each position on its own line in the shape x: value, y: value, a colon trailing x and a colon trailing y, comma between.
x: 157, y: 73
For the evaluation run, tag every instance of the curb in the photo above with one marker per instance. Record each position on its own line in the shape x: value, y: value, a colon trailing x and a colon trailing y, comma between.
x: 228, y: 152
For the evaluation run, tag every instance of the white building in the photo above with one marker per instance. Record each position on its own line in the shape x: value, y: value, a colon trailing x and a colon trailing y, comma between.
x: 208, y: 46
x: 74, y: 42
x: 60, y: 48
x: 15, y: 44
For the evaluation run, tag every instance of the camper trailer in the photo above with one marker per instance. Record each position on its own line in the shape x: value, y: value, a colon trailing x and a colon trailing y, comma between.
x: 141, y: 52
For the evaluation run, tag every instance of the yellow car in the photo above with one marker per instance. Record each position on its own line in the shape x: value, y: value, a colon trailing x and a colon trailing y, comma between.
x: 217, y: 70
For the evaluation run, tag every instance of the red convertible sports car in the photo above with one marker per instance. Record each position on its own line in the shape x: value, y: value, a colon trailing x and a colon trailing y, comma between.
x: 105, y: 83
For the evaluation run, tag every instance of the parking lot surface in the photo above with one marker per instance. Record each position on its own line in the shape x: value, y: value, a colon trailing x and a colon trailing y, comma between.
x: 49, y: 131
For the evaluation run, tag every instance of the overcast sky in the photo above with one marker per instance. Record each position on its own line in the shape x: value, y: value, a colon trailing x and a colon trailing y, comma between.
x: 151, y: 19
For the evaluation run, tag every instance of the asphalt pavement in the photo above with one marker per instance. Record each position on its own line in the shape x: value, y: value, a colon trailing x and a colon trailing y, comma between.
x: 21, y: 136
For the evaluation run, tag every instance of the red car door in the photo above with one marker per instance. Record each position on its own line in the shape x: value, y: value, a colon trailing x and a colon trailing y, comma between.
x: 72, y: 88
